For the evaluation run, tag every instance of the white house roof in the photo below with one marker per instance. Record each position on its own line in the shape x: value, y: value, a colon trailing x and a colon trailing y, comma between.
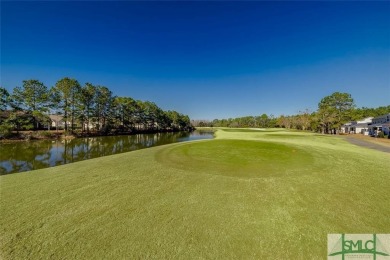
x: 365, y: 120
x: 56, y: 118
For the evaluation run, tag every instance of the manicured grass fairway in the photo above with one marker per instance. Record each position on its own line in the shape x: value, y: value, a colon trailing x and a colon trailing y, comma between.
x: 246, y: 194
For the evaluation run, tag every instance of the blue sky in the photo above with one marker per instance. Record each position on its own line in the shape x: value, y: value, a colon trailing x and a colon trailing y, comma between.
x: 205, y: 59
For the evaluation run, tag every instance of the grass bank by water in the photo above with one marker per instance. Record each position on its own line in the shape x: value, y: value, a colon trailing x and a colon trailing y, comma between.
x: 253, y: 194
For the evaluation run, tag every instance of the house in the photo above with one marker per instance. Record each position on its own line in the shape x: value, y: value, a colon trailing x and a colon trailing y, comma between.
x: 345, y: 128
x: 359, y: 126
x: 56, y: 122
x: 380, y: 124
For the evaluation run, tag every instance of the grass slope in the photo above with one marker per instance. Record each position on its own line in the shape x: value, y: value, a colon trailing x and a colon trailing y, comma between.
x: 247, y: 194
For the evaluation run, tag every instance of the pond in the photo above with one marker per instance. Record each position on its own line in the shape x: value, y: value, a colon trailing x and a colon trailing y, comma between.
x: 26, y: 156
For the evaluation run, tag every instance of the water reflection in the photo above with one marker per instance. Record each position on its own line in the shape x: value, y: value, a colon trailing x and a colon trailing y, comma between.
x: 25, y: 156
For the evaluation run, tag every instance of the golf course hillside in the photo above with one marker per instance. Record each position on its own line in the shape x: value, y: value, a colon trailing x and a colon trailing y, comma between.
x: 246, y: 194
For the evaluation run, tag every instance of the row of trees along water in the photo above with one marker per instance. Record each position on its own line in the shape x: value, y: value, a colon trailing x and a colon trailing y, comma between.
x: 88, y: 108
x: 333, y: 111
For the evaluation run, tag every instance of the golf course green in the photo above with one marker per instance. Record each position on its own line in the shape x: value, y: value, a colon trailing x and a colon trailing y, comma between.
x: 247, y: 194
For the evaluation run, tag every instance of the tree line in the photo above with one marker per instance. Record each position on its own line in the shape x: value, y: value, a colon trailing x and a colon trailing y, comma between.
x: 333, y: 111
x: 87, y: 108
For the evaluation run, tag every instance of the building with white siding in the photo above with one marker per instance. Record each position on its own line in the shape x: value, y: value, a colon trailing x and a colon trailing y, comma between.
x: 357, y: 127
x: 380, y: 124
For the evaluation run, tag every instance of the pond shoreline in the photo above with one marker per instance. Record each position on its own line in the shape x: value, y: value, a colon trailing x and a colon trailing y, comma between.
x: 19, y: 155
x: 39, y: 135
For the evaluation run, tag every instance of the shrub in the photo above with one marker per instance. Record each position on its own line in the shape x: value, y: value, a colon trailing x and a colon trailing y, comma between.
x: 381, y: 135
x: 68, y: 132
x: 41, y: 134
x: 46, y: 134
x: 5, y: 131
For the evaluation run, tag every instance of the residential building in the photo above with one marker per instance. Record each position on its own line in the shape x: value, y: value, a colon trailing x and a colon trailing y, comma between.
x: 56, y: 122
x: 359, y: 126
x: 380, y: 124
